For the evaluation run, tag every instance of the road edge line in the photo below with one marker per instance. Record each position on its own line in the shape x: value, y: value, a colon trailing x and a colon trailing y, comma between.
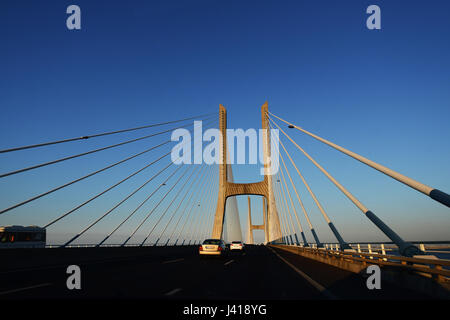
x: 313, y: 282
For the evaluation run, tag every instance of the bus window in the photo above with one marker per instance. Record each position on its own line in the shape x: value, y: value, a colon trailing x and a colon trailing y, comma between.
x: 3, y: 237
x: 24, y: 236
x: 38, y: 236
x: 20, y: 236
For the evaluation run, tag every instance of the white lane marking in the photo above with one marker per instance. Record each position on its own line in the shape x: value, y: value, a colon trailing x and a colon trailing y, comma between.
x: 170, y: 293
x: 314, y: 283
x: 172, y: 261
x: 26, y: 288
x: 228, y: 262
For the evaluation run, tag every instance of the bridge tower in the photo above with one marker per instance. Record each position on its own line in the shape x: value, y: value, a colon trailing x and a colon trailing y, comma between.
x: 263, y: 188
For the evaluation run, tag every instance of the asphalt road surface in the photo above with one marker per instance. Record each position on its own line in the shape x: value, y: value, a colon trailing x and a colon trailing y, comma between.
x: 257, y: 274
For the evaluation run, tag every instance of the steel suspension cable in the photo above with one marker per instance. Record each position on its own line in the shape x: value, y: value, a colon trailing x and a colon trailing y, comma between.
x: 97, y: 135
x: 148, y: 215
x: 187, y: 169
x: 160, y: 220
x: 194, y: 187
x: 110, y: 210
x: 284, y: 186
x: 190, y: 220
x: 214, y: 198
x: 282, y: 209
x: 207, y: 205
x: 103, y: 192
x: 203, y: 213
x: 291, y: 227
x: 341, y: 241
x: 186, y: 221
x: 181, y: 202
x: 433, y: 193
x: 82, y: 178
x: 301, y: 204
x: 142, y: 203
x: 210, y: 205
x: 406, y: 248
x: 316, y: 238
x: 107, y: 190
x: 295, y: 211
x: 88, y: 152
x: 139, y: 206
x: 196, y: 217
x: 184, y: 210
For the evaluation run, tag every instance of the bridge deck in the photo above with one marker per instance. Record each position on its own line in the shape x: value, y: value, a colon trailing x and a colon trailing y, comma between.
x: 179, y: 273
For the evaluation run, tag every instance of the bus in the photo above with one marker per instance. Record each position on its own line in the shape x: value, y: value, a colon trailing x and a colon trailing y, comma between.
x: 22, y: 237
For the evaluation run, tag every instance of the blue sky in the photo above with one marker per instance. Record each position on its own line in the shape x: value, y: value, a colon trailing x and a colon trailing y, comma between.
x: 381, y: 93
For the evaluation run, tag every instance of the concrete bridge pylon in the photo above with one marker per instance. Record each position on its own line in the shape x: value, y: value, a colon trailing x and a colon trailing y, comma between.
x: 263, y: 188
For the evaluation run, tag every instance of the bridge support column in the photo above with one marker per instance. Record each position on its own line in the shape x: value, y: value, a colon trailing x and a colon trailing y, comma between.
x: 266, y: 226
x: 249, y: 220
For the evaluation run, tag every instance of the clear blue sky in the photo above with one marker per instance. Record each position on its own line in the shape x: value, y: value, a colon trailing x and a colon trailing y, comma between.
x: 382, y: 93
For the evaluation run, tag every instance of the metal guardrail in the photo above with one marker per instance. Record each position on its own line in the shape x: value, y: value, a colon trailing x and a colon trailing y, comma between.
x: 430, y: 247
x: 432, y: 268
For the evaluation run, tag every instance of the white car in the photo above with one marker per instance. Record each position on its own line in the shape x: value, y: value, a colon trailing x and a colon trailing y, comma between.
x: 213, y: 247
x: 237, y: 245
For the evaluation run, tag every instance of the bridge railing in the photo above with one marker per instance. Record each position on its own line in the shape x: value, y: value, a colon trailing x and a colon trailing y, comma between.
x: 432, y: 268
x: 431, y: 247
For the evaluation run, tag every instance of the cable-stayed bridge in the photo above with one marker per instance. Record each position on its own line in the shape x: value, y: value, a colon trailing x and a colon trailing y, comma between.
x: 145, y: 211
